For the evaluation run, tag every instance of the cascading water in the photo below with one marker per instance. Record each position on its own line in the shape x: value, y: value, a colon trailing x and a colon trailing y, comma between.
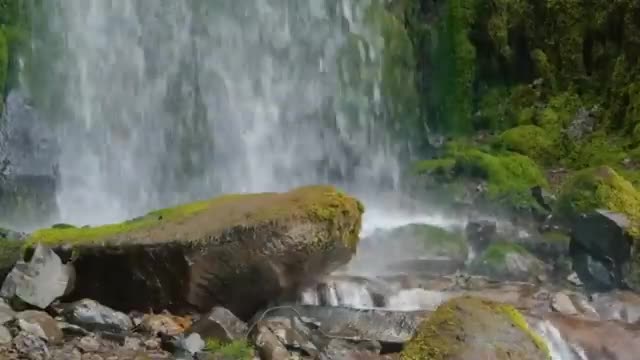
x: 173, y: 101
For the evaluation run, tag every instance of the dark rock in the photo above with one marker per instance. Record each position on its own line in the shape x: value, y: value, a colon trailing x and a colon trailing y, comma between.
x: 93, y: 316
x: 480, y: 234
x: 31, y: 347
x: 40, y: 281
x: 544, y: 198
x: 600, y: 248
x: 220, y: 324
x: 236, y: 251
x: 40, y: 324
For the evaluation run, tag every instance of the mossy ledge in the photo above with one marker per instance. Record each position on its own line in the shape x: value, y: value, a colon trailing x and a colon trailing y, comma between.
x: 181, y: 223
x: 469, y: 327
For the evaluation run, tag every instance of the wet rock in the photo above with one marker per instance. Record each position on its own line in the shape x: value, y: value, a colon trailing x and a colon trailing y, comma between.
x: 6, y: 313
x: 338, y: 349
x: 601, y: 248
x: 269, y: 347
x: 582, y: 124
x: 40, y: 324
x: 31, y: 347
x: 5, y: 335
x: 40, y: 281
x: 93, y: 316
x: 163, y: 324
x: 544, y: 198
x: 271, y: 244
x: 562, y: 303
x: 506, y: 261
x: 617, y: 305
x: 220, y: 324
x: 598, y: 339
x: 470, y: 328
x: 373, y: 324
x: 480, y: 234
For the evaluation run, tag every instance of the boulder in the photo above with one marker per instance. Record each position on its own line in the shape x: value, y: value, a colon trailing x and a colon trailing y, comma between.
x: 237, y: 251
x: 472, y: 328
x: 602, y: 237
x: 40, y: 324
x: 40, y: 281
x: 269, y: 347
x: 93, y: 316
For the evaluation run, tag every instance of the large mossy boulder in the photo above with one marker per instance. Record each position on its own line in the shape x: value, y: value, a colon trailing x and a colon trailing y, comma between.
x: 237, y: 251
x: 468, y: 328
x: 603, y: 210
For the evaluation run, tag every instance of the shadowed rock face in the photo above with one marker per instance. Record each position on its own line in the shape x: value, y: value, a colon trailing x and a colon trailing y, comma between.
x: 237, y: 251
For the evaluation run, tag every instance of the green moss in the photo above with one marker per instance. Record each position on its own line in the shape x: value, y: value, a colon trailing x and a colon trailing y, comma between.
x: 598, y: 188
x: 10, y: 252
x: 509, y: 176
x: 520, y: 322
x: 465, y: 325
x: 556, y: 237
x: 496, y: 254
x: 544, y: 69
x: 236, y: 350
x: 317, y: 203
x: 531, y: 141
x: 597, y: 149
x: 435, y: 166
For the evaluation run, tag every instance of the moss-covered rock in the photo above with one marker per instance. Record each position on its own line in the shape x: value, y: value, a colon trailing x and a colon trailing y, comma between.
x: 598, y: 188
x: 238, y: 251
x: 469, y: 328
x: 529, y: 140
x: 507, y: 261
x: 508, y: 176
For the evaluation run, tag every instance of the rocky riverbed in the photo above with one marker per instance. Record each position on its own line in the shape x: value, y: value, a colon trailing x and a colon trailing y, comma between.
x: 284, y: 276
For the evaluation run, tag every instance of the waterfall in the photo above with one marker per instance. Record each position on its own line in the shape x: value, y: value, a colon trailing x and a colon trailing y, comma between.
x: 169, y: 101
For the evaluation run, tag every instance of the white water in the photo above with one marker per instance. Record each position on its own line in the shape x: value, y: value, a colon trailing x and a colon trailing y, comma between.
x: 170, y: 101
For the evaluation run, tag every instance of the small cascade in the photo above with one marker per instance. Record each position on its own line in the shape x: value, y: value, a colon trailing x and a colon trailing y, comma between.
x: 416, y: 299
x: 338, y: 292
x: 559, y: 348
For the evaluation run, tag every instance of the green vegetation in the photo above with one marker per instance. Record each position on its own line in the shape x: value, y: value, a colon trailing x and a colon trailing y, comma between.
x: 509, y: 176
x: 468, y: 325
x: 598, y: 188
x: 318, y: 203
x: 236, y: 350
